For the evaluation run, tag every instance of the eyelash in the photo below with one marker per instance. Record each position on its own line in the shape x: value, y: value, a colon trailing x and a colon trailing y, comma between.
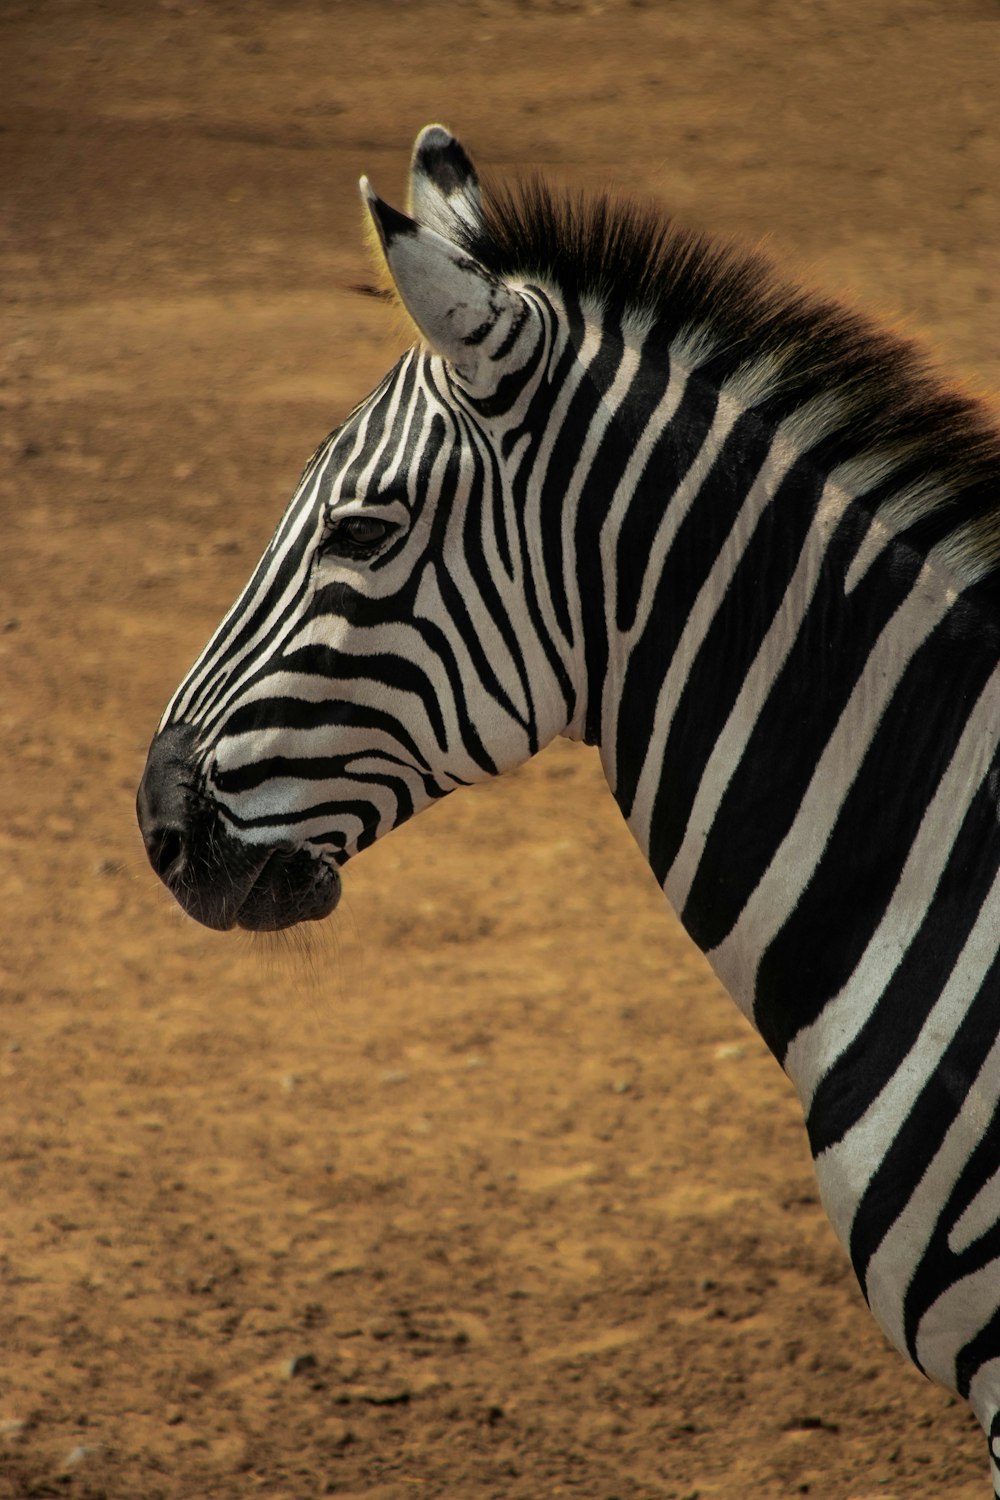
x: 340, y: 541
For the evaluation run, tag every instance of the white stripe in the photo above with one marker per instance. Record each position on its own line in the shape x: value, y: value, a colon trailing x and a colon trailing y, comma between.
x: 619, y: 644
x: 242, y: 751
x: 816, y: 1047
x: 676, y: 508
x: 956, y: 1317
x: 845, y: 1169
x: 533, y: 520
x: 494, y: 723
x: 590, y: 446
x: 978, y: 1218
x: 698, y: 622
x: 771, y: 656
x: 966, y: 1305
x: 984, y: 1398
x: 736, y: 958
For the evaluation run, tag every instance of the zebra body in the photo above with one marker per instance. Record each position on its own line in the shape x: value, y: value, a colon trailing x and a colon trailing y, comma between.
x: 626, y: 489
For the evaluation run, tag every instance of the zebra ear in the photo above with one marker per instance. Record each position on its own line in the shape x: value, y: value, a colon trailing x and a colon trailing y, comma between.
x: 466, y: 314
x: 443, y: 182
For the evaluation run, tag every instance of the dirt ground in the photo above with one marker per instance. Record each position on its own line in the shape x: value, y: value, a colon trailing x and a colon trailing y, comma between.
x: 483, y: 1188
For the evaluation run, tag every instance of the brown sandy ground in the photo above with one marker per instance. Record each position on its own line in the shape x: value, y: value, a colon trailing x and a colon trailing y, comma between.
x: 484, y: 1189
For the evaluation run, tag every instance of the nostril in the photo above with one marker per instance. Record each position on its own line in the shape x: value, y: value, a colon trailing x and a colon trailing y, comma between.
x: 165, y: 804
x: 165, y: 848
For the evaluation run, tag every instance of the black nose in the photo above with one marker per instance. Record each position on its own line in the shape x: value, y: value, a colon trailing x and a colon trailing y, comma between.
x: 162, y: 803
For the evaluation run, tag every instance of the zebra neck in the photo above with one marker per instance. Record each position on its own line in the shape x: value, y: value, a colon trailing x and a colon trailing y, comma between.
x: 775, y: 661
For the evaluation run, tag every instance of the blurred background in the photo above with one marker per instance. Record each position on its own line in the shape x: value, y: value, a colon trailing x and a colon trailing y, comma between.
x: 482, y: 1188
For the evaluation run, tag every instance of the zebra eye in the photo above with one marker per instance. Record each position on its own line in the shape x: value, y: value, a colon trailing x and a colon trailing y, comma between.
x: 357, y: 536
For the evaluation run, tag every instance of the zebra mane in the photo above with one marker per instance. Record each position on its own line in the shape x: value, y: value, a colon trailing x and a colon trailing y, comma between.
x: 926, y: 458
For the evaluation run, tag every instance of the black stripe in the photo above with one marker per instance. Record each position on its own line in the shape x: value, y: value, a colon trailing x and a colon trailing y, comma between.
x: 854, y: 1081
x: 502, y: 398
x: 584, y: 406
x: 219, y: 661
x: 419, y: 471
x: 940, y: 1267
x: 366, y: 813
x: 487, y: 505
x: 817, y: 950
x: 920, y: 1135
x: 759, y: 805
x: 985, y: 1346
x: 382, y: 667
x: 522, y: 491
x: 458, y: 612
x: 281, y: 712
x: 380, y: 433
x: 695, y: 548
x: 244, y: 778
x: 647, y: 388
x: 741, y: 621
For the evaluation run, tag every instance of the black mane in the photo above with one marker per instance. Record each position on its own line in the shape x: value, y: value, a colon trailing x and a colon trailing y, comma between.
x: 926, y: 456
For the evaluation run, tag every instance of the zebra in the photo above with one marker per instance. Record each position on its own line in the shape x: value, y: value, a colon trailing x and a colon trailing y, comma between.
x: 629, y: 487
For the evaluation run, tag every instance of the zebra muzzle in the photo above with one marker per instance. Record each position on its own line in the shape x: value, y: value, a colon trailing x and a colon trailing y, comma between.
x: 220, y: 880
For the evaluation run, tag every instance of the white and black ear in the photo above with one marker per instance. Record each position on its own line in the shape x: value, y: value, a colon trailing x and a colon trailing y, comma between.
x: 479, y: 324
x: 443, y: 182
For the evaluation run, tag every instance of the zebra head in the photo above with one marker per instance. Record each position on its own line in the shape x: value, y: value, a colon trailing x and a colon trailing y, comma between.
x: 395, y: 641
